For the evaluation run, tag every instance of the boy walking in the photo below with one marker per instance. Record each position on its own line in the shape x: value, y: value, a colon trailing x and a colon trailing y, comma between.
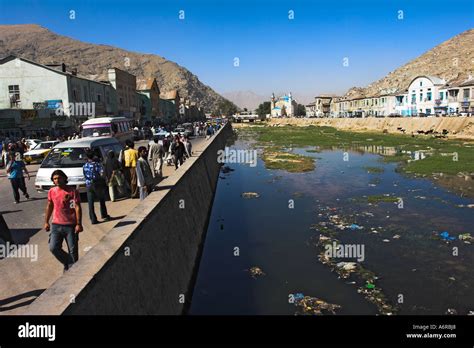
x: 64, y: 204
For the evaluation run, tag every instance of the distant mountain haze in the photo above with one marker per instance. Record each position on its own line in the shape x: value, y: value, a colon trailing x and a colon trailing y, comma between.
x: 38, y: 44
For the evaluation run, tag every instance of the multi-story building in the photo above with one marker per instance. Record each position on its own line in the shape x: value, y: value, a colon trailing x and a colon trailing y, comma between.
x: 170, y: 105
x: 467, y: 104
x: 310, y: 110
x: 322, y: 105
x: 422, y: 92
x: 71, y: 99
x: 149, y: 88
x: 125, y: 84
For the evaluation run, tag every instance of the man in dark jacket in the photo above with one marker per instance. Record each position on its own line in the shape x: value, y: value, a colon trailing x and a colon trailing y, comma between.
x: 178, y: 151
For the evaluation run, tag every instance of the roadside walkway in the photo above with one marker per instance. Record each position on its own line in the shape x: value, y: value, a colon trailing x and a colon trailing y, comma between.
x: 22, y: 280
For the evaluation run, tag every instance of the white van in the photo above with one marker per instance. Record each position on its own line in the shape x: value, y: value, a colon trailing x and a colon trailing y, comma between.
x: 117, y: 127
x: 70, y: 156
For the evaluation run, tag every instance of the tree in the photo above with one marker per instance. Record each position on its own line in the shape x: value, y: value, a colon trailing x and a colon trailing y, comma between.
x: 300, y: 110
x: 263, y: 109
x: 225, y: 107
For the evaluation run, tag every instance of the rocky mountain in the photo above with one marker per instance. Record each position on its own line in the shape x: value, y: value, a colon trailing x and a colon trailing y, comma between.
x: 43, y: 46
x: 452, y: 60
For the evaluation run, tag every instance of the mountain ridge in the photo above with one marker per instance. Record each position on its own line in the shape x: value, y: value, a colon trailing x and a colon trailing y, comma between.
x: 37, y: 43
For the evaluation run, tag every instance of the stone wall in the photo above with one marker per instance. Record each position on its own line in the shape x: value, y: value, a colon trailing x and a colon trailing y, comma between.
x: 148, y: 262
x: 458, y: 127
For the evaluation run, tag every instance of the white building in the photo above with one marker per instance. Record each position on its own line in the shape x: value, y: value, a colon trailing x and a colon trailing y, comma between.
x: 25, y: 84
x: 422, y: 94
x: 284, y: 106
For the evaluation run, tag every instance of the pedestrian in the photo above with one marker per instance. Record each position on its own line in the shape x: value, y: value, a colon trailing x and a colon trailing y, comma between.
x: 188, y: 147
x: 208, y: 132
x: 113, y: 175
x: 144, y: 174
x: 130, y: 163
x: 178, y: 152
x: 64, y: 204
x: 96, y: 186
x: 155, y: 156
x: 15, y: 169
x: 167, y: 148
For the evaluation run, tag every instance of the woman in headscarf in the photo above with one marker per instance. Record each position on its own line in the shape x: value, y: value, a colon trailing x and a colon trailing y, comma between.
x: 113, y: 174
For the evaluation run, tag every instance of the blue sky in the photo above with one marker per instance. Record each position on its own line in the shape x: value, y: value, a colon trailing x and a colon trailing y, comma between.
x: 303, y: 55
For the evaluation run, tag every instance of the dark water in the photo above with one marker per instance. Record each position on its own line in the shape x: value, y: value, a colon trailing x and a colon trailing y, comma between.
x: 275, y: 238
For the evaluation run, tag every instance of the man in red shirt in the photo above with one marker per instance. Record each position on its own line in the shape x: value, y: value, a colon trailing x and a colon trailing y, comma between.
x: 64, y: 204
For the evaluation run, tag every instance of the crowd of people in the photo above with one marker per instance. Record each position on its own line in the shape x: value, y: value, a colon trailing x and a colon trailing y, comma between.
x: 133, y: 173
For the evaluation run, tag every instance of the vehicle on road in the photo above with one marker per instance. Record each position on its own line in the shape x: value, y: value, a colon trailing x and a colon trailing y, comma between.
x: 31, y: 143
x: 39, y: 152
x: 70, y: 156
x: 182, y: 131
x: 116, y: 127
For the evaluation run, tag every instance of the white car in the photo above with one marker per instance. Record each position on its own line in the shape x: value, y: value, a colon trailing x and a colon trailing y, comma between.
x: 39, y: 152
x: 32, y: 143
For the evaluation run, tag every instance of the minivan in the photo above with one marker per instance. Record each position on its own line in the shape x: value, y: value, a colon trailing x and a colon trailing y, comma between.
x: 70, y: 156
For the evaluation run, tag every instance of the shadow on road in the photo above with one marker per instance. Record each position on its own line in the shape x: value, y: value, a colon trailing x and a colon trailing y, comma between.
x: 9, y: 212
x: 30, y: 296
x: 23, y: 235
x: 125, y: 223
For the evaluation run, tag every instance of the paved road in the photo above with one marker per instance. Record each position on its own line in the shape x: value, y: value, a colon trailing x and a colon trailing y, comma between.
x: 21, y: 279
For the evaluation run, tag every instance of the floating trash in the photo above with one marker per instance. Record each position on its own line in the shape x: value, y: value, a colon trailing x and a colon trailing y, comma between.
x: 386, y: 241
x: 397, y: 236
x: 370, y: 286
x: 354, y: 227
x: 445, y: 235
x: 227, y: 169
x: 347, y: 266
x: 256, y: 272
x: 314, y: 305
x: 250, y: 195
x: 465, y: 237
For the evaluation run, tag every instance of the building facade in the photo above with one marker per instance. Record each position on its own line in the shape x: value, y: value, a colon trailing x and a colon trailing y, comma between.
x: 125, y: 85
x: 67, y: 98
x: 284, y: 106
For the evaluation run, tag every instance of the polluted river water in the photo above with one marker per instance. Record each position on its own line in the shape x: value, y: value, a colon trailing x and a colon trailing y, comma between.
x: 352, y: 232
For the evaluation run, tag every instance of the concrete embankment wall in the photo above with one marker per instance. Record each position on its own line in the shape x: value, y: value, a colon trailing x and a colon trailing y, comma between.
x: 149, y: 260
x: 458, y: 127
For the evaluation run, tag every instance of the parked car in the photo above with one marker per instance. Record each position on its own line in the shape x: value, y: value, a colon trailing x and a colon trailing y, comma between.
x: 70, y: 156
x: 32, y: 143
x: 39, y: 152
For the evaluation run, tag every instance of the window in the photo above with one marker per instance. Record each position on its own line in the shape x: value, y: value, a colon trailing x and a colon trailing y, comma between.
x: 421, y: 96
x: 413, y: 98
x: 428, y: 95
x: 98, y: 97
x: 121, y: 101
x: 14, y: 94
x: 421, y: 83
x: 465, y: 93
x: 441, y: 95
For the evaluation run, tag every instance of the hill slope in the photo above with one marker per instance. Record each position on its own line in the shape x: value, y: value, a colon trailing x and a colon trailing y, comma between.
x: 43, y: 46
x: 452, y: 60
